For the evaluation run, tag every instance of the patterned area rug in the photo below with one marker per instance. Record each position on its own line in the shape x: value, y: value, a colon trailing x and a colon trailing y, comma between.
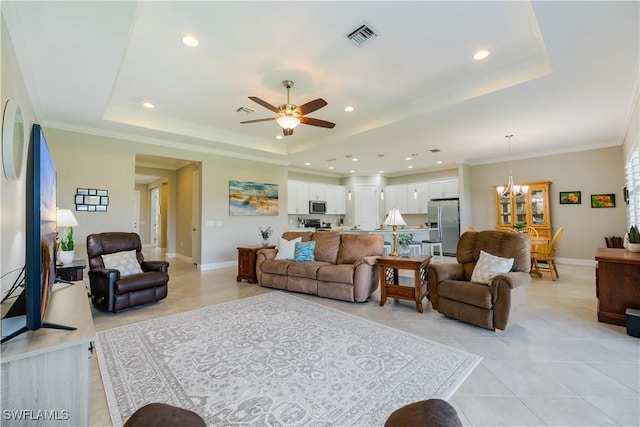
x: 275, y: 360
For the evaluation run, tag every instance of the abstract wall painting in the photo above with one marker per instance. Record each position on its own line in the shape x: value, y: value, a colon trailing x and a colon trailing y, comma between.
x: 253, y: 198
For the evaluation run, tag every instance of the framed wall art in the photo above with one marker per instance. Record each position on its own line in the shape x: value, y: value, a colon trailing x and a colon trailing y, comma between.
x: 91, y: 200
x: 603, y: 200
x: 570, y: 197
x: 253, y: 198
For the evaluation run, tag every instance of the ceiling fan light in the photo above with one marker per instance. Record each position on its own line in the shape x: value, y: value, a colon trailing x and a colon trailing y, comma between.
x: 288, y: 122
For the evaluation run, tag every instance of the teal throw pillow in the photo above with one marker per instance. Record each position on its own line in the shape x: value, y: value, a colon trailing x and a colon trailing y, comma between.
x: 304, y: 251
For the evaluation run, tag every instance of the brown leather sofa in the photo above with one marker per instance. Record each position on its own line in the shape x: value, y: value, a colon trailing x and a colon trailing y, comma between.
x: 110, y: 291
x: 493, y: 306
x: 344, y: 267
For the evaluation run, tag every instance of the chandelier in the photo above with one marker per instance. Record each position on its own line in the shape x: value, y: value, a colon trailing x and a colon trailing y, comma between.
x: 511, y: 190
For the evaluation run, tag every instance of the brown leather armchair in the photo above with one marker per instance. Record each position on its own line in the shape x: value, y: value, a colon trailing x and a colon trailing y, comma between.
x: 492, y: 306
x: 110, y: 291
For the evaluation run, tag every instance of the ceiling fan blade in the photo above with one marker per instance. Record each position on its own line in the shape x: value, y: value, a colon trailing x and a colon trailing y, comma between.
x: 317, y: 122
x: 287, y: 132
x: 312, y: 106
x: 259, y: 120
x: 265, y: 104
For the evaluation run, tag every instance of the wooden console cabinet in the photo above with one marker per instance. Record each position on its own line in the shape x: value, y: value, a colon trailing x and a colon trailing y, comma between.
x: 247, y: 263
x: 45, y: 373
x: 617, y: 284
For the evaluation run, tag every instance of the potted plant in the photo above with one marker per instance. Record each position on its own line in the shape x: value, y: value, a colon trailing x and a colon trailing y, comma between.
x: 66, y: 253
x: 266, y: 233
x: 633, y: 237
x: 519, y: 227
x: 404, y: 240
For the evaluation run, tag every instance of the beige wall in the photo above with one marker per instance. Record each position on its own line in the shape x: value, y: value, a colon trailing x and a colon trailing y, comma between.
x: 591, y: 172
x: 12, y: 193
x: 95, y: 161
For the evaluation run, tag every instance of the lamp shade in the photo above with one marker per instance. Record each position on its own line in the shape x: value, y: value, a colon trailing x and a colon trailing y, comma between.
x: 288, y: 122
x: 65, y: 218
x: 394, y: 218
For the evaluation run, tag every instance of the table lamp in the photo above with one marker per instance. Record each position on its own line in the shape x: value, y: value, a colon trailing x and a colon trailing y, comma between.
x: 394, y: 219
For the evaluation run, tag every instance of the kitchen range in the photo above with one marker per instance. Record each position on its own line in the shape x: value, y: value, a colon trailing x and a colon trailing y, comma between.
x: 317, y: 224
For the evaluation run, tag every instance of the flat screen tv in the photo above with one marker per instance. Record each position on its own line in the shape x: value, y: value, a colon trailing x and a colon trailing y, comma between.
x: 27, y: 313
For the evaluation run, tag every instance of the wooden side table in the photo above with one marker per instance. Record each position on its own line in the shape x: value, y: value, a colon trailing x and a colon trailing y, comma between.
x: 390, y: 280
x: 247, y: 263
x: 72, y: 271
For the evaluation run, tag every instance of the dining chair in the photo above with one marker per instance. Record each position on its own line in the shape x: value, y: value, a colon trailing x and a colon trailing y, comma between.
x: 532, y: 232
x: 507, y: 229
x: 547, y: 261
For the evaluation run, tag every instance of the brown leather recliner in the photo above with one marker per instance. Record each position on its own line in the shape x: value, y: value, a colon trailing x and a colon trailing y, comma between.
x: 492, y: 306
x: 110, y: 291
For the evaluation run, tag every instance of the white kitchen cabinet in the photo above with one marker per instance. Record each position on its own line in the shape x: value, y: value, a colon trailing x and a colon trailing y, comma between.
x: 417, y: 197
x: 443, y: 188
x: 298, y: 203
x: 336, y: 197
x: 317, y: 192
x: 395, y: 196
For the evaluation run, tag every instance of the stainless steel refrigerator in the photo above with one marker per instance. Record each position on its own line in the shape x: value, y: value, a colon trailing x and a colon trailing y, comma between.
x: 444, y: 215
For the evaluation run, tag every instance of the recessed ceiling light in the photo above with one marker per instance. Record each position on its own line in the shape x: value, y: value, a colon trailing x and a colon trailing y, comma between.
x: 380, y: 171
x: 307, y: 163
x: 279, y: 136
x: 439, y: 162
x: 331, y: 167
x: 348, y: 108
x: 481, y: 54
x: 407, y: 158
x: 190, y: 40
x: 410, y: 167
x: 351, y: 171
x: 148, y: 104
x: 355, y: 159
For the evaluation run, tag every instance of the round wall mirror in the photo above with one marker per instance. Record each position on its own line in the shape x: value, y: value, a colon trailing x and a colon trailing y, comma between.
x: 12, y: 140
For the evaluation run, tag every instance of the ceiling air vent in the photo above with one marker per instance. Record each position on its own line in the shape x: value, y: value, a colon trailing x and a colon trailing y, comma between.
x: 244, y: 110
x: 363, y: 34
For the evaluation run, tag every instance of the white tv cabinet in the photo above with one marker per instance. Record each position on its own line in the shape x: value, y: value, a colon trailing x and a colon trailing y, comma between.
x: 45, y: 373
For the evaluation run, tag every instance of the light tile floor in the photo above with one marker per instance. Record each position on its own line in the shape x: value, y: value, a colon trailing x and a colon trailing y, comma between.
x: 558, y: 367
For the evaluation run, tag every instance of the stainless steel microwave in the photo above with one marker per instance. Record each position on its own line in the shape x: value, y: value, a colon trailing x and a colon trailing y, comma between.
x: 317, y: 207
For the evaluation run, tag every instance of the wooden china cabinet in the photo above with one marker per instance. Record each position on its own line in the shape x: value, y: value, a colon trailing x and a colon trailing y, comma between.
x: 531, y: 209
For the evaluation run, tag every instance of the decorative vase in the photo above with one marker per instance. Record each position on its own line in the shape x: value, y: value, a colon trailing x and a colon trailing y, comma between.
x: 404, y: 251
x: 633, y: 247
x: 66, y: 257
x: 265, y: 241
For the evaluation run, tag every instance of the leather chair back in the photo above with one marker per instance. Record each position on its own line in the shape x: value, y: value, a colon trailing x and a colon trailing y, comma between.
x: 109, y: 243
x: 495, y: 242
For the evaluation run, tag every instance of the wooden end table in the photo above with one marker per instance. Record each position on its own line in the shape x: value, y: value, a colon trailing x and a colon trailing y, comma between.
x: 247, y: 263
x: 390, y: 281
x: 72, y: 271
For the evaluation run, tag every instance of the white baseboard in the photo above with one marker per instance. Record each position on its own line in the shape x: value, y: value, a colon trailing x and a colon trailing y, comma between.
x: 217, y: 265
x: 576, y: 261
x: 182, y: 258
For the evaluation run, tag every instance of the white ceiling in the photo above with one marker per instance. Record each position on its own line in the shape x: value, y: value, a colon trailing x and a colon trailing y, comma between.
x: 561, y: 77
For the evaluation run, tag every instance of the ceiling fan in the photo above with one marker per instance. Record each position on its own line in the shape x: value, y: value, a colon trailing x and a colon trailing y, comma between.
x: 292, y: 115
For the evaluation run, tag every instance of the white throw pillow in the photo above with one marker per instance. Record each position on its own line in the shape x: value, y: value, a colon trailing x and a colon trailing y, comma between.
x: 287, y: 248
x: 489, y: 266
x: 125, y: 262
